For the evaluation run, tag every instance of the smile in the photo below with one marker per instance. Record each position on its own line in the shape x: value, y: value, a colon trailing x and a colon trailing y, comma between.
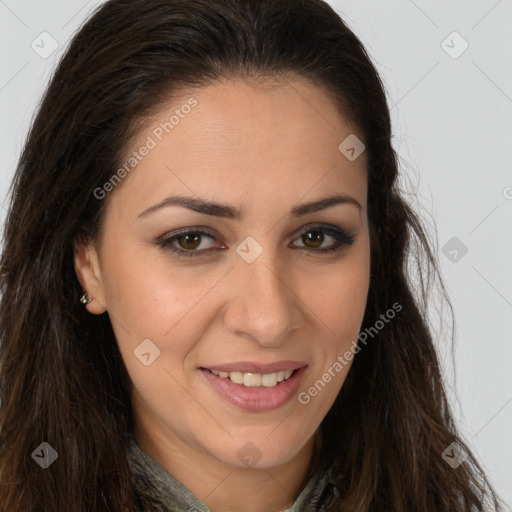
x: 256, y: 387
x: 253, y: 380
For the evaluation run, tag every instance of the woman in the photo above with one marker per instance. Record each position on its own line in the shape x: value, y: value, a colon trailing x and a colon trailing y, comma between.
x: 205, y: 298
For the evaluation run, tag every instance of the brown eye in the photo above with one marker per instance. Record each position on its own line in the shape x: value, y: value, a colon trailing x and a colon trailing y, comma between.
x: 313, y: 238
x: 189, y: 241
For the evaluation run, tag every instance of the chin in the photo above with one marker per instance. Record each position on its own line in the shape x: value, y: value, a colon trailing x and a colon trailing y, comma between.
x: 261, y: 452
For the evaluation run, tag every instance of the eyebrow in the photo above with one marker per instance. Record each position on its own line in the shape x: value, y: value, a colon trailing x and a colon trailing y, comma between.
x: 230, y: 212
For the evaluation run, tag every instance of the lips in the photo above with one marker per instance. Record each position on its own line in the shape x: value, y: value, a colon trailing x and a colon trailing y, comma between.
x: 254, y: 386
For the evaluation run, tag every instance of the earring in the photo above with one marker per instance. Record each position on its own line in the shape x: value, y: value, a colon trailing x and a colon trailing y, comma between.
x: 84, y: 299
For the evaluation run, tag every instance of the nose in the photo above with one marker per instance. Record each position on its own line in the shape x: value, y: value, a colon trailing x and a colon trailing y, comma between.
x: 263, y: 306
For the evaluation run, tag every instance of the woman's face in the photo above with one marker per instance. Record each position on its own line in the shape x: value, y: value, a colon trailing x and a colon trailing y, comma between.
x: 209, y: 324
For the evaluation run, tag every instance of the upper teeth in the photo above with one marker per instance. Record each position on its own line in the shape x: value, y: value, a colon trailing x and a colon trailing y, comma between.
x: 252, y: 380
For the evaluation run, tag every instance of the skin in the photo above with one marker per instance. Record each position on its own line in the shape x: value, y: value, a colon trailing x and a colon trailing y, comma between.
x: 263, y: 148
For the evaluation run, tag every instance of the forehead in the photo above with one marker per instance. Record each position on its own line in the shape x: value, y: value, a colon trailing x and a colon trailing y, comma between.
x: 244, y: 142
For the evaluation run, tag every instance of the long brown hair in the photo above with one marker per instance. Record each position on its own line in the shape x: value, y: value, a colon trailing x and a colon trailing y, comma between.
x: 62, y: 379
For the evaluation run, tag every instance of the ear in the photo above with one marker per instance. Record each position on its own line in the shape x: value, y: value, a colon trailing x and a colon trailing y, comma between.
x: 88, y: 271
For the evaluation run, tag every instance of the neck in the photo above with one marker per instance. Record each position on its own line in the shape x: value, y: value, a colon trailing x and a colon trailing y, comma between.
x: 224, y: 487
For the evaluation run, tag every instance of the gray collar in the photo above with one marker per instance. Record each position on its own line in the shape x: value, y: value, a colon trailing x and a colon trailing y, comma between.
x: 173, y: 495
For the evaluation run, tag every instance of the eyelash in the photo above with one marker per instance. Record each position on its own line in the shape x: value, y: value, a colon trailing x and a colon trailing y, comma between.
x: 342, y: 239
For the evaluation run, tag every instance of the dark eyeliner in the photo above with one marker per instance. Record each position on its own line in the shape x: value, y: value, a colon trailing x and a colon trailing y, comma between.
x: 166, y: 241
x: 342, y: 238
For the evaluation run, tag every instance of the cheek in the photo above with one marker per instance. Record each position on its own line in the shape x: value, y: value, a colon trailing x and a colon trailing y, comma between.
x: 149, y: 292
x: 145, y: 296
x: 339, y: 304
x: 149, y: 299
x: 341, y: 309
x: 339, y: 298
x: 342, y: 298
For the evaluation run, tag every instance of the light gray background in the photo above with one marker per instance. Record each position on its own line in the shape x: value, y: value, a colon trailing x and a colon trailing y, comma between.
x: 452, y: 122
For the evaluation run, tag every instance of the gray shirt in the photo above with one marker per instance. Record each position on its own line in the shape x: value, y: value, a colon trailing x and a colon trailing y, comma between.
x: 318, y: 494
